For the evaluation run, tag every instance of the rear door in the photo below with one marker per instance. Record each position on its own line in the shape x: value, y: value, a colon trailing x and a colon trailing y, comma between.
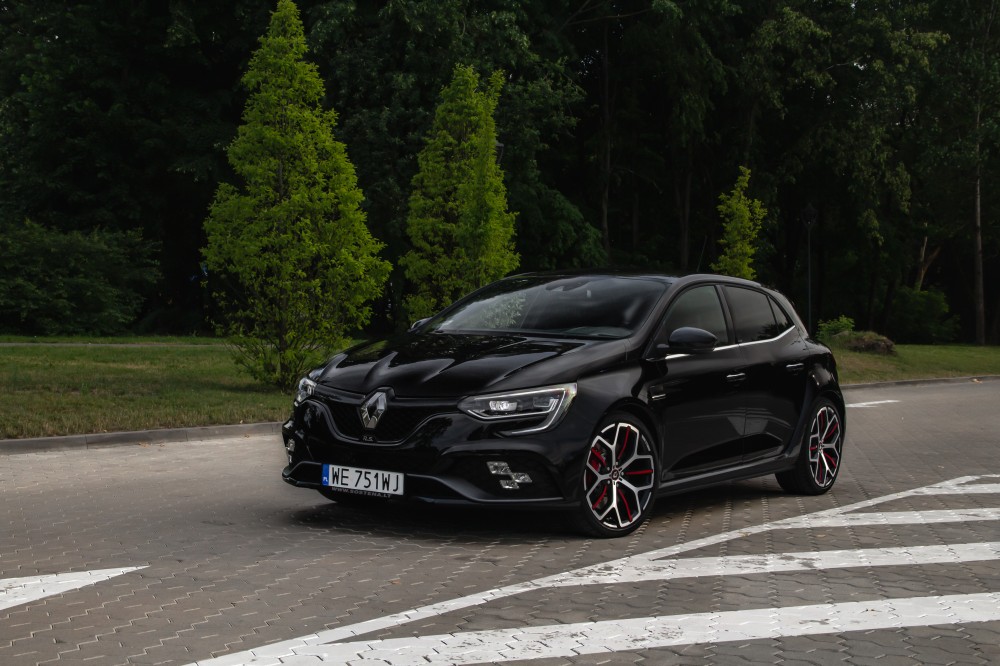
x: 774, y: 356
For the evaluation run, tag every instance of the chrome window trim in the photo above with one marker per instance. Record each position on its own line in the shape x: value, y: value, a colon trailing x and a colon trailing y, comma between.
x: 669, y: 357
x: 777, y: 337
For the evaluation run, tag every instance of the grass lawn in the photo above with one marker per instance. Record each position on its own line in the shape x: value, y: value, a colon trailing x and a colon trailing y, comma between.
x: 141, y: 383
x: 59, y: 389
x: 918, y: 362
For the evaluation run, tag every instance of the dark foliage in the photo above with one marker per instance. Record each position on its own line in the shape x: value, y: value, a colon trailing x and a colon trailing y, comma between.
x: 57, y: 283
x: 621, y: 122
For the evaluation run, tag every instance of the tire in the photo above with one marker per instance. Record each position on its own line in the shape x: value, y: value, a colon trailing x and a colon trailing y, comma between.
x: 619, y: 478
x: 818, y: 462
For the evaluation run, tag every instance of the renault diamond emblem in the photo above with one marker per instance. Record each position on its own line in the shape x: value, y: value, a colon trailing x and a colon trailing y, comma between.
x: 372, y: 410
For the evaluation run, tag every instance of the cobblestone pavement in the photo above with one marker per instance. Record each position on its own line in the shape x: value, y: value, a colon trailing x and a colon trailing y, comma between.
x: 198, y: 552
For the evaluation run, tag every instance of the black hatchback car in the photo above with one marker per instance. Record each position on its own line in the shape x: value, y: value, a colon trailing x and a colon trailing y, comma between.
x: 595, y: 393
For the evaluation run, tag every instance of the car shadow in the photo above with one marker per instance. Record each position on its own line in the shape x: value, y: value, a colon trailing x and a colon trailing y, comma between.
x: 432, y: 522
x: 487, y: 524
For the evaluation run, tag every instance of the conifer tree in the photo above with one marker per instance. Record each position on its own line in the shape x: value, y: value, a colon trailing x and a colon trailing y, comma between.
x: 742, y: 218
x: 290, y: 256
x: 458, y: 223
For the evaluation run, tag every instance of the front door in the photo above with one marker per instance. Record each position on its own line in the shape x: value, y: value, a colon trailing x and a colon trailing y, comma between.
x: 697, y: 398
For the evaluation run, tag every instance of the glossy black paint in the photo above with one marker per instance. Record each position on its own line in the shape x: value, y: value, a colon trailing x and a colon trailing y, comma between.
x: 734, y: 411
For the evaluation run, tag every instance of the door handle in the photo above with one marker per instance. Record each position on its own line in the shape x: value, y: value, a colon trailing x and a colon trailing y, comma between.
x: 795, y: 367
x: 736, y: 377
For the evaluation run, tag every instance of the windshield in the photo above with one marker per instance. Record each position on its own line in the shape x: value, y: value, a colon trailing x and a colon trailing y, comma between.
x: 589, y: 306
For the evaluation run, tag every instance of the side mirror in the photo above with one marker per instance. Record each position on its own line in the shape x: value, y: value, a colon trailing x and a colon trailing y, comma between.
x: 690, y: 340
x: 418, y: 323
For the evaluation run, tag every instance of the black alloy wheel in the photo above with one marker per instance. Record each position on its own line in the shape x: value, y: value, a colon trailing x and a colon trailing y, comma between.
x: 818, y: 461
x: 619, y: 478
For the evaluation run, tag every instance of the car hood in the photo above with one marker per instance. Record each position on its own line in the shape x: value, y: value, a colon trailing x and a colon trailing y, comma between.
x: 451, y: 364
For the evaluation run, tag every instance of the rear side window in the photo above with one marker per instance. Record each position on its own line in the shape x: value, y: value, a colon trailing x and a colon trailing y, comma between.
x: 752, y: 315
x: 783, y: 320
x: 700, y: 308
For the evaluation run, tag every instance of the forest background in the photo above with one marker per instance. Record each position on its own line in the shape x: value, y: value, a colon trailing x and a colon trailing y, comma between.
x: 871, y: 129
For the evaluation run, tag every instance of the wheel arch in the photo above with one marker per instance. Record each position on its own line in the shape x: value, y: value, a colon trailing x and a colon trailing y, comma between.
x: 641, y: 412
x: 822, y: 383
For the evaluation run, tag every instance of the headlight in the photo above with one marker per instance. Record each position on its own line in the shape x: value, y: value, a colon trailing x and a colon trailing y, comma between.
x: 549, y: 403
x: 306, y: 388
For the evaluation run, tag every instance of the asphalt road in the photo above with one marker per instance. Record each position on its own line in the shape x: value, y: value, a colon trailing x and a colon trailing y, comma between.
x: 198, y: 552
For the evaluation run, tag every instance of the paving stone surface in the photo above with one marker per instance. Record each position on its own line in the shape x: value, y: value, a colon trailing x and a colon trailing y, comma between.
x: 238, y: 566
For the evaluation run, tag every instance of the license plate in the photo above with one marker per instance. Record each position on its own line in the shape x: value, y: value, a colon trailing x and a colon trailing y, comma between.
x: 362, y: 481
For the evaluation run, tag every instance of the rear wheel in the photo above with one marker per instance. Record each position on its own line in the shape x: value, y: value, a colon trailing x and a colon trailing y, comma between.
x: 619, y: 478
x: 818, y: 463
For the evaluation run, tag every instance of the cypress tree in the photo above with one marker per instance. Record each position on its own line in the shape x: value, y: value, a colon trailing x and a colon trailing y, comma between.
x: 291, y: 258
x: 458, y: 223
x: 742, y: 218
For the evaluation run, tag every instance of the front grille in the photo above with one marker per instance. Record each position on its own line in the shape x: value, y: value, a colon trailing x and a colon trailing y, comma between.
x: 401, y: 418
x: 396, y: 423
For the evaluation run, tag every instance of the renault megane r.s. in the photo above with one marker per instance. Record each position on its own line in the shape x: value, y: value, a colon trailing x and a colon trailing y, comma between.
x: 595, y: 393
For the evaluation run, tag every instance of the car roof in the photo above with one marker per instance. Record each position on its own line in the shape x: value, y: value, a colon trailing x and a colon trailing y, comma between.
x: 680, y: 280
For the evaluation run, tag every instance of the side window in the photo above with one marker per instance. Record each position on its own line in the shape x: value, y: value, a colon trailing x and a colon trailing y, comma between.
x: 699, y: 307
x: 752, y: 316
x: 783, y: 320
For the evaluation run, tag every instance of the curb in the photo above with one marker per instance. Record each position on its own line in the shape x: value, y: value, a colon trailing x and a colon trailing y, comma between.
x: 172, y: 435
x: 921, y: 382
x: 160, y: 436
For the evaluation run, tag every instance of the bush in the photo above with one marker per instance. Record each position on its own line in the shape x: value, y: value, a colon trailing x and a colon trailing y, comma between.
x: 867, y: 342
x: 65, y: 283
x: 828, y: 329
x: 922, y: 317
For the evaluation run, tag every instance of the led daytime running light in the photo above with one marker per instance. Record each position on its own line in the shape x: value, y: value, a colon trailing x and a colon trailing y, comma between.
x: 550, y: 402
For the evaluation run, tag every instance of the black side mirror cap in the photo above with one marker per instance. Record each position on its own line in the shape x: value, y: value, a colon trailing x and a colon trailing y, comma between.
x: 418, y: 323
x: 690, y: 340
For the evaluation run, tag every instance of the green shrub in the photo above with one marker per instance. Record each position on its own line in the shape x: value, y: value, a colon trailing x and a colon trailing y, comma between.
x: 922, y: 317
x: 867, y: 342
x: 832, y: 327
x: 54, y: 282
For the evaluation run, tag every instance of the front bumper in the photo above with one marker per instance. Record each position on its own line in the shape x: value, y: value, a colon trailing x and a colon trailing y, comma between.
x: 443, y: 453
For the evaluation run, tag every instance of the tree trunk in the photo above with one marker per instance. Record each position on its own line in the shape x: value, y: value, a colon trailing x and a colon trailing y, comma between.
x: 994, y: 336
x: 682, y: 199
x: 635, y: 220
x: 977, y: 257
x: 605, y: 143
x: 924, y: 261
x: 872, y: 285
x: 890, y: 295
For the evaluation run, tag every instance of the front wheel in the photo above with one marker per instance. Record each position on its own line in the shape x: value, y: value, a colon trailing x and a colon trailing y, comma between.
x: 818, y: 462
x: 619, y: 478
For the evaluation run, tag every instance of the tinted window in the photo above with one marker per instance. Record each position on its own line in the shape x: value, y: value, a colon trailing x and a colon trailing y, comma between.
x: 752, y: 316
x: 699, y: 308
x: 783, y: 320
x: 587, y: 306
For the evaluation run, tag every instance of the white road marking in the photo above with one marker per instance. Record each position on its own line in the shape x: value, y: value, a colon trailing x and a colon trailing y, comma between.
x: 872, y: 403
x: 896, y: 518
x: 745, y: 565
x: 643, y: 633
x: 967, y: 489
x: 274, y: 653
x: 17, y: 591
